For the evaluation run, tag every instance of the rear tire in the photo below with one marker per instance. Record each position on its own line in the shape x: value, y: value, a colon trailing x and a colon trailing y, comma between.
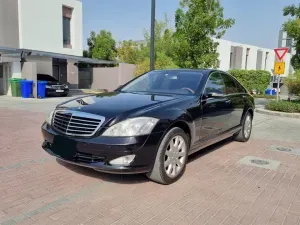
x: 171, y: 158
x: 245, y: 133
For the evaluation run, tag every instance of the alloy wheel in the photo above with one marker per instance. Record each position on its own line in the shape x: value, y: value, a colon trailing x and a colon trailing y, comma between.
x: 247, y: 126
x: 175, y: 156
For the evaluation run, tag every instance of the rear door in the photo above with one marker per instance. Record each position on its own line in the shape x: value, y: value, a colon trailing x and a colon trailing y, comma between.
x: 215, y: 108
x: 236, y: 100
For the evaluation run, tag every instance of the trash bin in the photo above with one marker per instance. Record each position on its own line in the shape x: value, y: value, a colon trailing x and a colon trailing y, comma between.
x: 15, y: 87
x: 41, y: 89
x: 270, y: 92
x: 26, y: 88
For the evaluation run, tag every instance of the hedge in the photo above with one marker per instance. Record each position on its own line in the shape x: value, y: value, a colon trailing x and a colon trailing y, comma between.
x: 293, y: 83
x: 284, y: 106
x: 265, y: 96
x: 252, y: 79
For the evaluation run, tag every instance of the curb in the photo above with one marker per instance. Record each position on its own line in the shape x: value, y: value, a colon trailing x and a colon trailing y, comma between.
x: 281, y: 114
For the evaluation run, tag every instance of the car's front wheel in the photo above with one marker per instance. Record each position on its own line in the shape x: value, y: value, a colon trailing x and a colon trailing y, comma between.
x: 245, y: 133
x: 171, y: 158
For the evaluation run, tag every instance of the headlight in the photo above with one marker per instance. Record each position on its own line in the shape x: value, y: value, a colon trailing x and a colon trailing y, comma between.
x: 49, y: 119
x: 132, y: 127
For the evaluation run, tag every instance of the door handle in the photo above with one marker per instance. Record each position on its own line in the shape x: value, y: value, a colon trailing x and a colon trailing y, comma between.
x: 228, y: 101
x: 244, y: 96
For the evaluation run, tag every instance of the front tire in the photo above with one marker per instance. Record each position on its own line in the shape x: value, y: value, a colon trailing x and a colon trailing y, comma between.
x: 245, y: 133
x: 171, y: 158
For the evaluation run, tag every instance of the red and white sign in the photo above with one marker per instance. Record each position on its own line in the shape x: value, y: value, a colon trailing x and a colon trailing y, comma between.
x: 280, y: 52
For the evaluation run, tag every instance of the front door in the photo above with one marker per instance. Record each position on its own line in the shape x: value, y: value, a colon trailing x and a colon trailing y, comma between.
x: 237, y: 101
x: 1, y: 80
x: 215, y: 108
x: 55, y: 71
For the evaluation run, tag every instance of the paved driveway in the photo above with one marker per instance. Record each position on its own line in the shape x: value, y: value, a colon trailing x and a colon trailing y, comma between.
x: 229, y: 183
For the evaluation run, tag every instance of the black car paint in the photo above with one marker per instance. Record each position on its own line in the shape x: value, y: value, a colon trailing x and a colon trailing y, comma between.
x: 208, y: 120
x: 52, y: 81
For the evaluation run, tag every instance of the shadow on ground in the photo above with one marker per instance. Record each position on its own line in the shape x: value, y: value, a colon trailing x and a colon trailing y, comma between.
x: 135, y: 178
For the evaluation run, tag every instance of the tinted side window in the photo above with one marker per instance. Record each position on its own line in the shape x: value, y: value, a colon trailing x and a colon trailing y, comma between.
x: 215, y: 84
x: 230, y: 86
x: 240, y: 88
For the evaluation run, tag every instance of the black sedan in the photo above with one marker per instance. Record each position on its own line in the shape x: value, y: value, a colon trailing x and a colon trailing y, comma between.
x: 54, y: 87
x: 151, y: 124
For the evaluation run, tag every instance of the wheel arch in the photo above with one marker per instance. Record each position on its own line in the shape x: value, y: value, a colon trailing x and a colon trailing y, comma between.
x: 248, y: 109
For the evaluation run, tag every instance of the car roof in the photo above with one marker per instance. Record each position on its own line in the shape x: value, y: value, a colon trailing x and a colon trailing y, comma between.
x: 205, y: 72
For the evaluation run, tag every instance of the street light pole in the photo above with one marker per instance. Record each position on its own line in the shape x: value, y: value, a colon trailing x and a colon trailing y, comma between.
x: 152, y: 39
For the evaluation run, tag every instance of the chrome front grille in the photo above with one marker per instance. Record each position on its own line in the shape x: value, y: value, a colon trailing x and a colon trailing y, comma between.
x: 88, y: 158
x: 75, y: 123
x: 58, y: 87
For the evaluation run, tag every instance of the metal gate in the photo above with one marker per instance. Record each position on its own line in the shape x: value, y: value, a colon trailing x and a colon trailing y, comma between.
x: 85, y: 80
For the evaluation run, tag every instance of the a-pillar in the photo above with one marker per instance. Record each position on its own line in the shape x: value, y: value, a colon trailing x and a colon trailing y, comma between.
x: 29, y: 72
x: 72, y: 74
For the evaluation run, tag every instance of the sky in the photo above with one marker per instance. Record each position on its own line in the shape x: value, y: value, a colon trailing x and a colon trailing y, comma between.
x: 257, y: 22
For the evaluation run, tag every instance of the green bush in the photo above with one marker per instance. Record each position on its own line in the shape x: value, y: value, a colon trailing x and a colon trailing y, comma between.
x: 252, y: 79
x: 265, y: 96
x: 284, y: 106
x: 293, y: 83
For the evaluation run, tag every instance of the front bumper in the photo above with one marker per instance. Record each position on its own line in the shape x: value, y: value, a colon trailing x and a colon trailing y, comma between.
x: 97, y: 152
x: 53, y: 92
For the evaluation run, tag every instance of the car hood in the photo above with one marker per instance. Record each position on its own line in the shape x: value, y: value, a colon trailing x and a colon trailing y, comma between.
x: 54, y: 83
x: 117, y: 104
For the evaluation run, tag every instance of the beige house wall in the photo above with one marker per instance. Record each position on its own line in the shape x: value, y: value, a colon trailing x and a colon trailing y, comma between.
x: 112, y: 78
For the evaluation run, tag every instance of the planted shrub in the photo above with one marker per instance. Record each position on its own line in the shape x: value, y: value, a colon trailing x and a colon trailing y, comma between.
x: 293, y: 83
x: 252, y: 79
x: 284, y: 106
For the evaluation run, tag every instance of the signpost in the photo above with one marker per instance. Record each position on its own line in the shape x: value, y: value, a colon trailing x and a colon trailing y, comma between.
x: 279, y: 67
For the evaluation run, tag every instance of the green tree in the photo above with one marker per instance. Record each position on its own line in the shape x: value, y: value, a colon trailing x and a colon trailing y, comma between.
x: 101, y: 46
x: 292, y: 27
x: 164, y: 48
x: 293, y: 83
x: 164, y: 41
x: 197, y: 23
x: 162, y: 62
x: 129, y: 52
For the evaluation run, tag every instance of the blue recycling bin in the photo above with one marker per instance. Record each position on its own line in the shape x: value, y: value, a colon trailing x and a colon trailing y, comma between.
x: 270, y: 92
x: 41, y: 89
x: 26, y: 88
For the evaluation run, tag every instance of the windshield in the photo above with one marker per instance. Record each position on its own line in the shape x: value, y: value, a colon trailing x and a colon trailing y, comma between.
x: 169, y: 82
x: 45, y: 77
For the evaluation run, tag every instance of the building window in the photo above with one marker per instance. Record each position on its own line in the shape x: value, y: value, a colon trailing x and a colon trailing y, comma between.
x: 67, y: 17
x: 230, y: 60
x: 266, y: 59
x: 247, y: 54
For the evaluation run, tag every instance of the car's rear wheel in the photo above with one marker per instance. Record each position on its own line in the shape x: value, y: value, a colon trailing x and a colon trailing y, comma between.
x: 171, y: 158
x: 244, y: 134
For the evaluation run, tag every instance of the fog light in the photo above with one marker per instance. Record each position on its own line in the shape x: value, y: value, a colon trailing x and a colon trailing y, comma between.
x: 122, y: 161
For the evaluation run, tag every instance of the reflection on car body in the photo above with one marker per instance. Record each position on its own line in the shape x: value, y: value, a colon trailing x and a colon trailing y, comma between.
x: 151, y: 124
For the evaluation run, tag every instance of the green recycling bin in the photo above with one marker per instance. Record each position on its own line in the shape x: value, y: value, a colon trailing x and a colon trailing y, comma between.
x: 15, y: 87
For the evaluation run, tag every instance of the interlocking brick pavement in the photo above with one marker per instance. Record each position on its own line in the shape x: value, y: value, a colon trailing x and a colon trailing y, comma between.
x: 215, y: 189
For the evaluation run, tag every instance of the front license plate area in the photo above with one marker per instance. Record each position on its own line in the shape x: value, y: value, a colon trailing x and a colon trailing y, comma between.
x: 64, y: 147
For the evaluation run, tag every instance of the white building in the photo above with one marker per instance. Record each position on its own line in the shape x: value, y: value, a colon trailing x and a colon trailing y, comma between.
x: 285, y: 41
x: 234, y: 55
x: 40, y: 37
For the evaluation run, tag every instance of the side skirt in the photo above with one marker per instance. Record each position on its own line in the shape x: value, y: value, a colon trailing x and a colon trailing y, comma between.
x: 214, y: 140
